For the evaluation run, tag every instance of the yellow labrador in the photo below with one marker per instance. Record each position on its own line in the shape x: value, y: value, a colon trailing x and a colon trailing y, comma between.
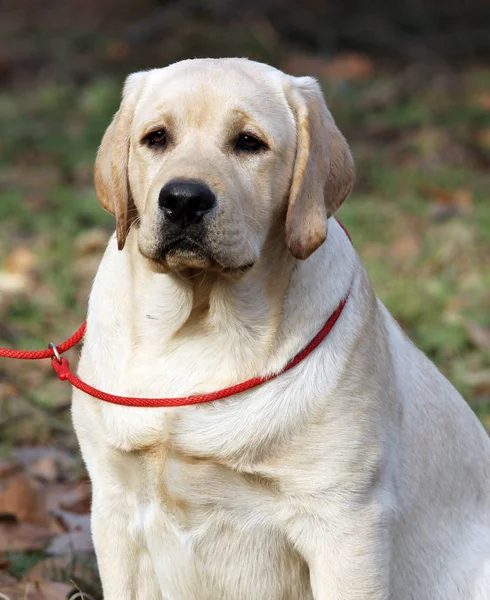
x: 359, y: 474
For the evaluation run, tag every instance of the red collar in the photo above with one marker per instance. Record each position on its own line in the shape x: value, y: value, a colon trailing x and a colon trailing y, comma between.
x: 62, y: 368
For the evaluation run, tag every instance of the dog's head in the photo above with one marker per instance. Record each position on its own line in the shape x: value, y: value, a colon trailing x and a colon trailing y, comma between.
x: 209, y: 156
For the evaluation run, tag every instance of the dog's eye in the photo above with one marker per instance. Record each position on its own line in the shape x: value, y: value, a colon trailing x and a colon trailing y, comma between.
x: 249, y: 143
x: 156, y: 138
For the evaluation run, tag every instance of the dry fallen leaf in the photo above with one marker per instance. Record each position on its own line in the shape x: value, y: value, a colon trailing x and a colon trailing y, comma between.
x: 446, y: 204
x: 78, y: 500
x: 16, y: 537
x: 482, y: 99
x: 478, y: 335
x: 13, y: 283
x: 463, y: 199
x: 22, y: 499
x: 6, y: 579
x: 45, y: 469
x: 484, y: 138
x: 21, y: 261
x: 39, y: 590
x: 9, y: 466
x: 350, y: 66
x: 406, y: 246
x: 346, y: 66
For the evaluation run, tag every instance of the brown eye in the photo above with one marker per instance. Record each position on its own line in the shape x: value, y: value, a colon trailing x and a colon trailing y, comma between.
x: 249, y: 143
x: 156, y: 138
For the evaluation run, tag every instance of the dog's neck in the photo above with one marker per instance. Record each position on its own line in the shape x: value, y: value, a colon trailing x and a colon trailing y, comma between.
x: 235, y: 329
x: 174, y: 308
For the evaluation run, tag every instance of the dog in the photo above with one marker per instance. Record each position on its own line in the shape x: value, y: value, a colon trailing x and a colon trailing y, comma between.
x: 360, y: 473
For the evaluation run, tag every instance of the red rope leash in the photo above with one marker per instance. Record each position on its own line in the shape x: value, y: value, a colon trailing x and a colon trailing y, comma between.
x: 62, y: 368
x: 49, y: 352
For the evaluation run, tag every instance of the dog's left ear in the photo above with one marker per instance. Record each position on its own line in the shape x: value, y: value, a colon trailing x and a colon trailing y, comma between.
x: 111, y: 166
x: 323, y: 174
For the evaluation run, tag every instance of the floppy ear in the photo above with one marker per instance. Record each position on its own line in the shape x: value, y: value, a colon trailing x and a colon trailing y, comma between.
x: 323, y: 174
x: 111, y: 165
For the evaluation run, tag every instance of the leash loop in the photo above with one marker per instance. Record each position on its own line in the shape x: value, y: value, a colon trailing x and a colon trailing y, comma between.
x: 56, y: 354
x: 62, y: 368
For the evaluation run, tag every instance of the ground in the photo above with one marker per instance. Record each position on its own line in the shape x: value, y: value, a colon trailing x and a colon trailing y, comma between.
x: 419, y: 217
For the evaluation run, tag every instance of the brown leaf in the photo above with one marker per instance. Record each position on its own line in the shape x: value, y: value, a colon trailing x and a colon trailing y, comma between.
x: 78, y: 500
x: 16, y: 537
x: 39, y: 590
x: 346, y: 66
x: 484, y: 138
x: 55, y: 493
x: 436, y: 194
x: 20, y: 261
x: 9, y: 466
x: 13, y: 283
x: 45, y: 468
x: 463, y: 199
x: 478, y: 335
x: 482, y: 99
x: 373, y: 250
x: 407, y: 246
x: 6, y: 579
x: 14, y: 591
x: 350, y: 66
x: 448, y: 204
x: 49, y: 590
x: 22, y: 499
x: 481, y: 382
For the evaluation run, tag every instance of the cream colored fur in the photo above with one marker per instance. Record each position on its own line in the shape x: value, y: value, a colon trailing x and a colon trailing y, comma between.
x: 361, y: 474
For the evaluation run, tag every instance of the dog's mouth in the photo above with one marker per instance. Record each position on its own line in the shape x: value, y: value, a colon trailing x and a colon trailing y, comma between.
x: 184, y: 254
x: 182, y: 244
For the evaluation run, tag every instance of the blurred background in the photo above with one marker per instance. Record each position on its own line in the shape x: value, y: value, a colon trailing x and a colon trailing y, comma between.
x: 409, y: 85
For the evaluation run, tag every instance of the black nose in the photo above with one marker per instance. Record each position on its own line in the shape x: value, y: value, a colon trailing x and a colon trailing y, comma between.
x: 186, y: 201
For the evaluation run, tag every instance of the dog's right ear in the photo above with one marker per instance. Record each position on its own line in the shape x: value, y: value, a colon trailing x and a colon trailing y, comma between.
x: 111, y: 165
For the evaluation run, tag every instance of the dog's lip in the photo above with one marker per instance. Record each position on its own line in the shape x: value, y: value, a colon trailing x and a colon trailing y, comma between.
x: 182, y: 243
x: 185, y: 244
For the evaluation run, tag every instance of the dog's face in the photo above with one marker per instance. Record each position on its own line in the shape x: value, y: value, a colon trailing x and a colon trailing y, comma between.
x: 208, y: 157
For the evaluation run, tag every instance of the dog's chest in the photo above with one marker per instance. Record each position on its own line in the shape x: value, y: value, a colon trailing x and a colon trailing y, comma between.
x: 228, y: 522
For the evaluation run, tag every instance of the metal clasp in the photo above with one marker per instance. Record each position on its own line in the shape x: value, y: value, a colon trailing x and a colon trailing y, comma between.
x: 53, y: 347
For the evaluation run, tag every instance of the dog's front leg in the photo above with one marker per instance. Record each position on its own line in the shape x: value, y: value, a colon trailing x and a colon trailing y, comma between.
x: 124, y: 563
x: 347, y: 550
x: 123, y: 559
